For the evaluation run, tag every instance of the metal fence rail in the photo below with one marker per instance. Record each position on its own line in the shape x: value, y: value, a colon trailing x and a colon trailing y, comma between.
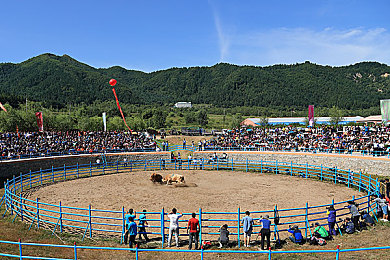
x: 100, y: 222
x: 337, y: 252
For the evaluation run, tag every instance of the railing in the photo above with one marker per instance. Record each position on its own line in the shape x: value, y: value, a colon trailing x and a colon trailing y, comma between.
x: 75, y: 255
x: 375, y: 153
x: 100, y: 222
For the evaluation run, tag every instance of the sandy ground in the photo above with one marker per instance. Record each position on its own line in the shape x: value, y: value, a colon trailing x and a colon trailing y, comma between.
x: 213, y: 191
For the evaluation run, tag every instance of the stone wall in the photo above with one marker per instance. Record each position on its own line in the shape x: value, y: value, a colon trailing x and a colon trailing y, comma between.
x: 15, y: 167
x: 368, y: 164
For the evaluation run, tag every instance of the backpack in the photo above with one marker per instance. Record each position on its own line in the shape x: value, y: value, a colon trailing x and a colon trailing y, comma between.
x: 321, y: 241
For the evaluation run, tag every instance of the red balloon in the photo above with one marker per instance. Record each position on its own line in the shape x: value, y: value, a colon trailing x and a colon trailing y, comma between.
x: 112, y: 82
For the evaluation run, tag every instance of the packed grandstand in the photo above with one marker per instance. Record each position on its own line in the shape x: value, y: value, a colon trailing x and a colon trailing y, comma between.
x: 342, y: 139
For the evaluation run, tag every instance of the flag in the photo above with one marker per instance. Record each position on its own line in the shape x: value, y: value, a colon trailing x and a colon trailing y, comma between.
x: 2, y: 107
x: 39, y: 121
x: 104, y: 121
x: 120, y: 109
x: 385, y: 110
x: 311, y: 115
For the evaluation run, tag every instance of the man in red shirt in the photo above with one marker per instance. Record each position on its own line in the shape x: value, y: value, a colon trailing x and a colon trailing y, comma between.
x: 193, y: 225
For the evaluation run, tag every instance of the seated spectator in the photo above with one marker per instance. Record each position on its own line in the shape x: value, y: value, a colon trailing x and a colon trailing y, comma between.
x: 367, y: 219
x: 320, y: 231
x: 296, y: 234
x: 348, y: 226
x: 223, y: 236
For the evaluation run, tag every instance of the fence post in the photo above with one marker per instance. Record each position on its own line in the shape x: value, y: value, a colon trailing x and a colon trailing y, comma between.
x: 238, y: 227
x: 21, y: 182
x: 90, y: 168
x: 269, y: 253
x: 52, y: 173
x: 117, y: 166
x: 246, y: 165
x: 261, y: 166
x: 123, y: 225
x: 338, y: 252
x: 21, y: 207
x: 60, y: 217
x: 321, y: 172
x: 200, y: 226
x: 377, y: 188
x: 90, y: 221
x: 162, y: 224
x: 335, y: 174
x: 20, y: 249
x: 30, y: 180
x: 160, y: 163
x: 369, y: 182
x: 218, y: 164
x: 276, y: 167
x: 201, y: 252
x: 131, y: 165
x: 64, y: 172
x: 38, y: 212
x: 145, y: 165
x: 307, y: 218
x: 291, y: 168
x: 136, y: 252
x: 75, y: 251
x: 12, y: 195
x: 360, y: 180
x: 40, y: 175
x: 349, y: 177
x: 307, y: 172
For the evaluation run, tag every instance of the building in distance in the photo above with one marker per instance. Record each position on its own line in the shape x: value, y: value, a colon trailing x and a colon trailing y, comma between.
x: 183, y: 105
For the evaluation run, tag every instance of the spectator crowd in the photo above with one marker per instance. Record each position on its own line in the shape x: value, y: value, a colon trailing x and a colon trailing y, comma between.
x: 14, y: 145
x: 373, y: 140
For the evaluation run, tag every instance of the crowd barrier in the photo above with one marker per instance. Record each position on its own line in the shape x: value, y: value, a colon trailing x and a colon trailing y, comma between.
x: 269, y: 253
x: 89, y: 222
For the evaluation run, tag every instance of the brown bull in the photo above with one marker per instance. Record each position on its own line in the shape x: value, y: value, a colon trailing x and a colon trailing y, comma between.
x: 155, y: 177
x: 168, y: 179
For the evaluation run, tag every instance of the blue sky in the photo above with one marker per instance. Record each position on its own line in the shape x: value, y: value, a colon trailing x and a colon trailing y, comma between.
x: 155, y: 35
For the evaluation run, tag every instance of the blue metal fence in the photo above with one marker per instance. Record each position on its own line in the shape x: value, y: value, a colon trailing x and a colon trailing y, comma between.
x: 99, y: 222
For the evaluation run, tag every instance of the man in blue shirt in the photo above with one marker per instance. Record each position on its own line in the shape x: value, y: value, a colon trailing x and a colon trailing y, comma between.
x: 297, y: 235
x: 132, y: 232
x: 142, y: 224
x: 130, y: 214
x: 247, y: 222
x: 265, y: 231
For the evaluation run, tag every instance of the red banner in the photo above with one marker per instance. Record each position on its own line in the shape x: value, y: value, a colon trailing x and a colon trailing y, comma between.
x: 120, y: 109
x: 311, y: 115
x: 39, y: 121
x: 2, y: 107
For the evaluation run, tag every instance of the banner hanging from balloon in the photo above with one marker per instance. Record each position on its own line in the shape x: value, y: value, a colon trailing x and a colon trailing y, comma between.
x: 311, y: 115
x: 112, y: 82
x: 39, y: 121
x: 2, y: 107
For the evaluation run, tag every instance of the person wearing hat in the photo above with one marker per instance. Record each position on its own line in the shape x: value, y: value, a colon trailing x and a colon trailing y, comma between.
x: 265, y: 231
x: 320, y: 231
x: 296, y: 234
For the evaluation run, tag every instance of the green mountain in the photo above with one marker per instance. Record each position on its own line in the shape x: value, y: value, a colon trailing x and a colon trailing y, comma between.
x: 62, y: 80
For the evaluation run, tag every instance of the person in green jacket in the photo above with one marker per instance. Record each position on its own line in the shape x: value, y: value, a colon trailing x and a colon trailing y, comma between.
x: 320, y: 231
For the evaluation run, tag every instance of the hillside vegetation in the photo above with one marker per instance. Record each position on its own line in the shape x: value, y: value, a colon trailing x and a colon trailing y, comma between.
x: 61, y: 80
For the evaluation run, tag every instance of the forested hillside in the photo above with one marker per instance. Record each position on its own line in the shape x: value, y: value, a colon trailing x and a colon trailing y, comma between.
x: 61, y: 80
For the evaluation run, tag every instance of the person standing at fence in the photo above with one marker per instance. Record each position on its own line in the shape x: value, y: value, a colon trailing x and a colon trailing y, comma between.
x: 223, y: 236
x: 265, y: 231
x: 193, y: 226
x: 247, y: 222
x: 132, y: 232
x: 355, y: 213
x: 174, y: 226
x: 184, y: 143
x: 142, y: 226
x: 387, y: 187
x: 382, y: 204
x: 179, y: 160
x: 129, y: 215
x: 331, y: 212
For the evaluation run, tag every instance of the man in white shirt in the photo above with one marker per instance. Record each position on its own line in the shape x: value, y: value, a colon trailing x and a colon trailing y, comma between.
x: 174, y: 226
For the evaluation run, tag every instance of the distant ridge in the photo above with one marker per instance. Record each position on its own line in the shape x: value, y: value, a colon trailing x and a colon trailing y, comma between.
x: 62, y: 80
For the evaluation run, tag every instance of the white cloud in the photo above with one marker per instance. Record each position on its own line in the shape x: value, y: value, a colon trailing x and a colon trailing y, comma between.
x: 290, y: 45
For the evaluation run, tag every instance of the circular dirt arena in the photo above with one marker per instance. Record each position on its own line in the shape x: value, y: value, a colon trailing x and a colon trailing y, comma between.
x: 213, y: 191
